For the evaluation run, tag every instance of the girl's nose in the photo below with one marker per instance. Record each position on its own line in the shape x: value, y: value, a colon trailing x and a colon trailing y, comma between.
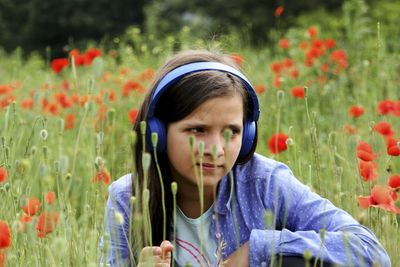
x: 214, y: 145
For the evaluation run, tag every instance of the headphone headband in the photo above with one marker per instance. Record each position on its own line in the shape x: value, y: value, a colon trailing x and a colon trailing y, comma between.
x: 176, y: 74
x: 157, y: 126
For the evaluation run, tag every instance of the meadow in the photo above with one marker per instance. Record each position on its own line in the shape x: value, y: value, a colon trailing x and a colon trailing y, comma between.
x: 329, y: 110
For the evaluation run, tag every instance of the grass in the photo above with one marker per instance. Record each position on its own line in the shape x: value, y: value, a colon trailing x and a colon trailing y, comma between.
x: 45, y: 151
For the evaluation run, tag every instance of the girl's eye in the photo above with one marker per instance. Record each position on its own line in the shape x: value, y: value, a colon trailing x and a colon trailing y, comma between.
x: 235, y: 131
x: 196, y: 130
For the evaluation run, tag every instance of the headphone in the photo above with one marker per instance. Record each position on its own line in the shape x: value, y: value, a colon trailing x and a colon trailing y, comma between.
x: 155, y: 125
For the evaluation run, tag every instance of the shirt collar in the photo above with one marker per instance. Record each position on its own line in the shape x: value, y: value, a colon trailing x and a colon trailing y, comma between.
x: 225, y: 192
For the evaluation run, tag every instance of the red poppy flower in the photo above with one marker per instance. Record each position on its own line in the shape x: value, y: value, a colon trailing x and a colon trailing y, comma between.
x: 32, y: 206
x: 23, y: 220
x: 382, y: 196
x: 79, y: 59
x: 5, y: 89
x: 277, y: 143
x: 394, y: 181
x: 324, y: 67
x: 91, y: 54
x: 83, y: 99
x: 368, y: 170
x: 50, y: 197
x: 396, y: 110
x: 287, y: 62
x: 330, y: 43
x: 356, y: 111
x: 384, y: 128
x: 46, y: 223
x: 294, y: 73
x: 58, y: 64
x: 318, y: 44
x: 5, y: 235
x: 284, y: 43
x: 350, y: 129
x: 386, y: 106
x: 238, y: 59
x: 74, y: 52
x: 364, y: 151
x: 69, y: 121
x: 53, y: 108
x: 147, y: 74
x: 303, y: 45
x: 27, y: 103
x: 112, y: 96
x: 260, y: 89
x: 364, y: 201
x: 312, y: 32
x: 3, y: 174
x: 392, y: 147
x: 278, y: 11
x: 131, y: 85
x: 132, y: 115
x: 309, y: 61
x: 298, y: 92
x: 277, y: 81
x: 276, y: 67
x: 63, y: 100
x: 102, y: 175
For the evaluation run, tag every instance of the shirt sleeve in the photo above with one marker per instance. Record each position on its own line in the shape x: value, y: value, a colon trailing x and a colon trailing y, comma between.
x: 114, y: 245
x: 312, y: 224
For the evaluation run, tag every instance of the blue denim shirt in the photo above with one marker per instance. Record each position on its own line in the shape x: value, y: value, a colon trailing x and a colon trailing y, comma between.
x: 296, y: 216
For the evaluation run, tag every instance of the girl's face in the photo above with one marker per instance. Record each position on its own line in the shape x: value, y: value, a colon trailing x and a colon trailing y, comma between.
x: 207, y: 123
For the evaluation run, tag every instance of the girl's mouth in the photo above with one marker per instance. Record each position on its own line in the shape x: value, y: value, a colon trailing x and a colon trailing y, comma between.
x: 209, y: 166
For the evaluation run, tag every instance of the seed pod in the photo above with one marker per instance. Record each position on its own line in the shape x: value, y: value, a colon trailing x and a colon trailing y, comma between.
x: 174, y: 188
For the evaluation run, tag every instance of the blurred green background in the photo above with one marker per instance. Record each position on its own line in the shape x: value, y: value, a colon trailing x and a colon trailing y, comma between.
x: 36, y: 25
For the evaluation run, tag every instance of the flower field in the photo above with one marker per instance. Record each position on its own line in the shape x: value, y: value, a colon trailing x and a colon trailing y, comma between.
x: 328, y: 110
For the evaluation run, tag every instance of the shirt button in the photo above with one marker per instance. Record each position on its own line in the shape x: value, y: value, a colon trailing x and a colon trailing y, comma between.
x: 263, y: 264
x: 218, y: 235
x: 213, y: 216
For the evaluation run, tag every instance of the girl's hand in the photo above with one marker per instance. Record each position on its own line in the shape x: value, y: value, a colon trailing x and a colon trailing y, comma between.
x: 156, y: 256
x: 239, y: 258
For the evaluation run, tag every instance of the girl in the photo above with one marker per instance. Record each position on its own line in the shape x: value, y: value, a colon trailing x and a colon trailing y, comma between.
x: 205, y: 114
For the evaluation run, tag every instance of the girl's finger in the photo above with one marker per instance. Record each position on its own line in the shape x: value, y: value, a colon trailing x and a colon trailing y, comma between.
x: 166, y: 248
x: 149, y: 252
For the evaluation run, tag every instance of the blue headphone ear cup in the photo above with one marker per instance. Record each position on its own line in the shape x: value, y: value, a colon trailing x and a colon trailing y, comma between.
x: 155, y: 125
x: 248, y: 137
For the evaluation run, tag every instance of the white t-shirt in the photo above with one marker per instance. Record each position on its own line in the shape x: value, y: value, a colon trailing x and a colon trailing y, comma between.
x: 195, y: 245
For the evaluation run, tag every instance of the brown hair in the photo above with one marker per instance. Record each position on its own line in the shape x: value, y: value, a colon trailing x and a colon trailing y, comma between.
x: 175, y: 104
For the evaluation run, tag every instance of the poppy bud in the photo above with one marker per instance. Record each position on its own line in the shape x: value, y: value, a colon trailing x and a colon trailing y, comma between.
x: 100, y: 138
x: 143, y: 127
x: 280, y: 96
x: 111, y: 116
x: 174, y: 188
x: 227, y: 136
x: 44, y: 134
x: 214, y: 152
x: 118, y: 217
x: 192, y: 140
x: 154, y: 139
x: 133, y: 200
x: 146, y: 159
x: 201, y: 149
